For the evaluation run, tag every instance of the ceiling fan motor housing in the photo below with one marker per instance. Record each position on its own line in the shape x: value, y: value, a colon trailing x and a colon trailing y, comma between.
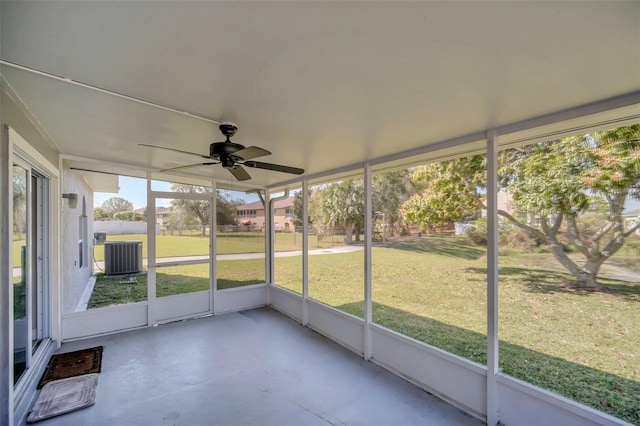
x: 224, y: 148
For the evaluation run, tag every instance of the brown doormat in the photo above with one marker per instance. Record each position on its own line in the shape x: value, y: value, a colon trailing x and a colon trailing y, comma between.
x: 70, y: 364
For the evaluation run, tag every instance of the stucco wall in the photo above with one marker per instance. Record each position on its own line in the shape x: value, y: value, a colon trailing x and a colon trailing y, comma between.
x: 74, y: 275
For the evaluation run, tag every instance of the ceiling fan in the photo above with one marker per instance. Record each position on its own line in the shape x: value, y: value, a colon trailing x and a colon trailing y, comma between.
x: 232, y: 156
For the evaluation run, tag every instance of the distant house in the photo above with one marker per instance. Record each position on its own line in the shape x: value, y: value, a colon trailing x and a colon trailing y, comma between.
x: 504, y: 201
x: 162, y: 213
x: 252, y: 215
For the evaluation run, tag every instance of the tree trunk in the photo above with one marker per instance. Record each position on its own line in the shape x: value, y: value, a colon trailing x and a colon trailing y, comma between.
x: 589, y: 280
x: 587, y: 275
x: 348, y: 234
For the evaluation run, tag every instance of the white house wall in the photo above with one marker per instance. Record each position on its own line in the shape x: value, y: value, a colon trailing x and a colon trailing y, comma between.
x: 74, y: 277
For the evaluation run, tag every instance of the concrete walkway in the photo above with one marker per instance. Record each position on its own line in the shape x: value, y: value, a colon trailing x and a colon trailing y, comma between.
x: 237, y: 256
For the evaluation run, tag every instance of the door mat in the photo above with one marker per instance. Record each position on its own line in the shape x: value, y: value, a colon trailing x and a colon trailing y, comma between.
x: 64, y: 396
x: 70, y: 364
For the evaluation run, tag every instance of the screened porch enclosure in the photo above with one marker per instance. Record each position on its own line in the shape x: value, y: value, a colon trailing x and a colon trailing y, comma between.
x: 412, y: 300
x: 464, y: 230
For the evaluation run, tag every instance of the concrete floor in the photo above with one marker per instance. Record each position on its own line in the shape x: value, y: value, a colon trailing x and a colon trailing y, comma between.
x: 252, y: 368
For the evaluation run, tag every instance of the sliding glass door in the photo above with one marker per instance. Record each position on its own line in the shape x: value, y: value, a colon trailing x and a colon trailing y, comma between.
x: 29, y: 257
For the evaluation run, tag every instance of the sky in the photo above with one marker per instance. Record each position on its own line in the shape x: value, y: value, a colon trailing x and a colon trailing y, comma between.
x: 135, y: 191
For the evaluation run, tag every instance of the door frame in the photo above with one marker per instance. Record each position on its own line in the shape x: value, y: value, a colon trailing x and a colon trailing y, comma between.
x: 22, y: 153
x: 180, y: 306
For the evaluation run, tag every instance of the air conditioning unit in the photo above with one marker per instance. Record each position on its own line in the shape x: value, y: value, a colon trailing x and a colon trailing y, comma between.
x: 122, y: 257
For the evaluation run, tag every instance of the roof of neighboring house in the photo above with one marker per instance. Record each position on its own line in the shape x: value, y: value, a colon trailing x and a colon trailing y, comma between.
x: 257, y: 205
x: 632, y: 213
x: 158, y: 210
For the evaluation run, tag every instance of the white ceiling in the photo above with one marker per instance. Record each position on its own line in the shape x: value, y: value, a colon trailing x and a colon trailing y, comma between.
x: 321, y: 85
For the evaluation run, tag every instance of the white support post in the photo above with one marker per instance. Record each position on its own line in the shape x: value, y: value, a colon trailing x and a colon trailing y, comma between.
x: 271, y: 246
x: 492, y: 278
x: 151, y: 255
x: 269, y: 258
x: 305, y: 252
x: 368, y: 234
x: 212, y: 248
x: 6, y: 293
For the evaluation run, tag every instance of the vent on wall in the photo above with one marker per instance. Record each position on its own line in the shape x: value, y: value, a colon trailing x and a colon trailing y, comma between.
x: 122, y: 257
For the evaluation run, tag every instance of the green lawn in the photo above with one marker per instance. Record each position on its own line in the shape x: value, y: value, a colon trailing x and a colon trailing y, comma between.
x: 15, y: 254
x: 119, y: 289
x: 227, y: 243
x: 583, y: 345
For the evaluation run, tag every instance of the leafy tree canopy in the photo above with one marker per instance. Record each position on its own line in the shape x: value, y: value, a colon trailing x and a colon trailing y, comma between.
x: 553, y: 186
x: 130, y: 216
x: 116, y: 205
x: 296, y: 214
x: 199, y: 209
x: 341, y: 204
x: 100, y: 214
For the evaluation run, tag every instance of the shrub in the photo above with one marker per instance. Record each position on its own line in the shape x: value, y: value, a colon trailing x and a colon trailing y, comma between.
x: 518, y: 240
x: 477, y: 233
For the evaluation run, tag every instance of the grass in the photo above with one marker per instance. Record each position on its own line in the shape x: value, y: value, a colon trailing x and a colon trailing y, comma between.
x: 583, y: 345
x: 115, y: 290
x: 16, y: 252
x: 226, y: 243
x: 19, y: 300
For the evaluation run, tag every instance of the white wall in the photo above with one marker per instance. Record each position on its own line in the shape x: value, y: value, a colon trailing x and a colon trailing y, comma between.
x: 120, y: 227
x: 74, y: 277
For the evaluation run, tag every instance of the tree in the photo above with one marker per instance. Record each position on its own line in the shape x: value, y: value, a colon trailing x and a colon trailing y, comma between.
x: 453, y: 191
x: 100, y: 214
x: 296, y: 214
x: 19, y: 203
x: 185, y: 210
x: 116, y: 205
x: 340, y: 204
x: 389, y: 191
x: 226, y: 209
x: 199, y: 209
x: 129, y: 216
x: 554, y: 186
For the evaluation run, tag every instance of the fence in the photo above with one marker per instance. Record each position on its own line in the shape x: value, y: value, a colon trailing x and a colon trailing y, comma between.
x: 120, y: 227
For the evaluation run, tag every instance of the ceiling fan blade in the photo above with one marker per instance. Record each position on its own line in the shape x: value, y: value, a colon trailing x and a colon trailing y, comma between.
x: 276, y: 167
x: 251, y: 152
x: 188, y: 166
x: 239, y: 172
x: 175, y: 150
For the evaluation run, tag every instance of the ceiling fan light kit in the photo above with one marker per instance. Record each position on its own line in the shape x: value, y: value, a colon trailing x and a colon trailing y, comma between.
x: 232, y: 156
